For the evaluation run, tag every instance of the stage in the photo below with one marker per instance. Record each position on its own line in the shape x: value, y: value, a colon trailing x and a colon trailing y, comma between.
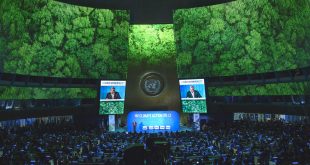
x: 152, y: 122
x: 181, y: 128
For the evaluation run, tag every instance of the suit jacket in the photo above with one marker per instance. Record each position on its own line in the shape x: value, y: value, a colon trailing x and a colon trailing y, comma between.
x: 196, y: 94
x: 116, y: 95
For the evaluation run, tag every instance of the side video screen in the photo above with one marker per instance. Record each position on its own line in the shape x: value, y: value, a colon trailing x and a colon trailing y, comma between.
x: 193, y: 96
x: 112, y: 97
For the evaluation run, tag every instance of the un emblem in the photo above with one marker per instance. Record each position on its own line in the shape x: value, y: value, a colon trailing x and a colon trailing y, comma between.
x: 152, y: 84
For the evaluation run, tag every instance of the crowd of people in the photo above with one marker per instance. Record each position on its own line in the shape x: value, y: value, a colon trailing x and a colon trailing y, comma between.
x: 239, y: 142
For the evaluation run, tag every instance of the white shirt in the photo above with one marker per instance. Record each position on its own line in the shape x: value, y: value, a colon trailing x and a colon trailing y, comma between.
x: 193, y: 94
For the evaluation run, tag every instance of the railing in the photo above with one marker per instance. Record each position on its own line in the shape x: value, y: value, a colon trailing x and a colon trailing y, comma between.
x: 281, y: 99
x: 294, y: 75
x: 19, y: 105
x: 10, y: 79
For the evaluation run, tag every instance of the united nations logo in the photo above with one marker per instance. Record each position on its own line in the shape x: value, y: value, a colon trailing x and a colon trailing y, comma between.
x: 152, y: 84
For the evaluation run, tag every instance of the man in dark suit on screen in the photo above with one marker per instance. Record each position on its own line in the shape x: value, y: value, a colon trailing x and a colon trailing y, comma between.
x: 192, y: 93
x: 113, y: 94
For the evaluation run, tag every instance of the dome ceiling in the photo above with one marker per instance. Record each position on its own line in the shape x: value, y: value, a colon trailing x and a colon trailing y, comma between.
x: 146, y: 11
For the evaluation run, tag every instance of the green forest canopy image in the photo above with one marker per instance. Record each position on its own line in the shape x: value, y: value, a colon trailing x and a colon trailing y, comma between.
x: 48, y: 38
x: 242, y: 37
x: 151, y: 43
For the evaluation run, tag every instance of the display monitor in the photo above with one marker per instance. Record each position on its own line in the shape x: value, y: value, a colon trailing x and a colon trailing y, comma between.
x: 193, y: 95
x: 112, y: 97
x: 153, y: 121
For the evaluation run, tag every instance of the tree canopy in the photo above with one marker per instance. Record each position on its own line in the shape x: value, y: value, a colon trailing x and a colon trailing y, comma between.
x: 49, y: 38
x: 151, y: 43
x: 244, y: 37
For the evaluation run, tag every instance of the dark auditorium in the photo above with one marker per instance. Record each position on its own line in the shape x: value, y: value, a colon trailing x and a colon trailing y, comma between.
x: 154, y: 82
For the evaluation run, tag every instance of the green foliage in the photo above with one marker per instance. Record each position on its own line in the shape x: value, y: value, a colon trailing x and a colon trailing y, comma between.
x: 243, y: 37
x: 48, y: 38
x: 151, y: 43
x: 111, y: 107
x: 194, y: 106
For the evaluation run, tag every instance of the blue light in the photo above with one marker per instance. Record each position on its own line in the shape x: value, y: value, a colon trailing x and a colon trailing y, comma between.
x: 153, y: 121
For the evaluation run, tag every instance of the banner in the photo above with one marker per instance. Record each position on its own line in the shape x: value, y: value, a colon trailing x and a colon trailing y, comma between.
x: 111, y: 123
x: 153, y: 121
x: 196, y: 120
